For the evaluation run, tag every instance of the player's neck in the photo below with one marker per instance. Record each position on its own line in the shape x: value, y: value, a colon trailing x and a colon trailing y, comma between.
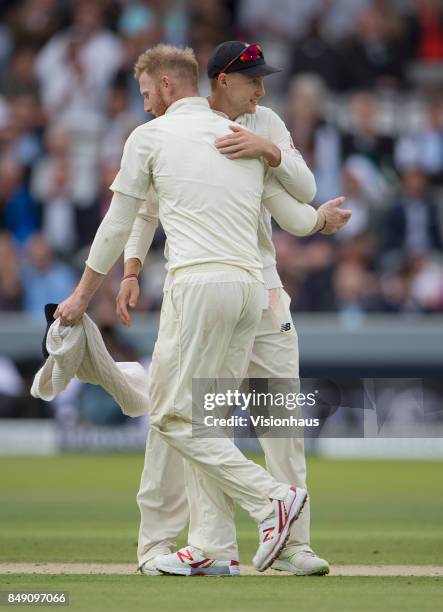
x: 188, y: 92
x: 218, y: 103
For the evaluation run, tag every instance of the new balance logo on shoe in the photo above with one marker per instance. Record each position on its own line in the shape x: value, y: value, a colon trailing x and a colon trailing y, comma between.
x: 284, y: 327
x: 185, y: 554
x: 274, y: 529
x: 190, y: 562
x: 269, y: 534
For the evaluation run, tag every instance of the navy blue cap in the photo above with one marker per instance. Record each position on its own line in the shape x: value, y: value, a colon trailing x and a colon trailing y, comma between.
x: 227, y: 51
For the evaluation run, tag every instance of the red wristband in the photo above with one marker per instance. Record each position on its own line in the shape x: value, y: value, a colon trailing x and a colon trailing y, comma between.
x: 126, y: 276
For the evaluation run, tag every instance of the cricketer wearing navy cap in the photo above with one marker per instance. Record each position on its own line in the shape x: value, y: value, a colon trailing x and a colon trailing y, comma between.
x: 257, y: 133
x: 237, y: 56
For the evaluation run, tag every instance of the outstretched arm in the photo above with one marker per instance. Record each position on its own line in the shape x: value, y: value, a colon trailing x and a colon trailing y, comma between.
x: 303, y: 219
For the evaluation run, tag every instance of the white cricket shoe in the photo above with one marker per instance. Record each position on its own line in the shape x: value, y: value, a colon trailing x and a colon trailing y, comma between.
x: 274, y: 530
x: 189, y: 562
x: 302, y: 563
x: 148, y: 568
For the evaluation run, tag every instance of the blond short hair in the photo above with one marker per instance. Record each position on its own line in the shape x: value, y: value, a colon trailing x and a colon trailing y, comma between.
x: 166, y: 59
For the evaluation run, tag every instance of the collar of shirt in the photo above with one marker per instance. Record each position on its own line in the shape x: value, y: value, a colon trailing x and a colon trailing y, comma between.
x: 220, y: 114
x: 195, y: 102
x: 225, y: 116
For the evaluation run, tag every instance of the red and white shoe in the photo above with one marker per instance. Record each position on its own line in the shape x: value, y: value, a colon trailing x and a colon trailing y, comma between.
x: 274, y: 530
x: 189, y: 562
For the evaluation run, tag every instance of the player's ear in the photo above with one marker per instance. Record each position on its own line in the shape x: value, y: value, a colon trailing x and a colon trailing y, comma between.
x: 222, y: 80
x: 165, y: 81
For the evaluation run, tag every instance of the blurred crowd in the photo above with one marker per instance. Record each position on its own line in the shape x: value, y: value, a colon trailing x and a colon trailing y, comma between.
x: 360, y: 91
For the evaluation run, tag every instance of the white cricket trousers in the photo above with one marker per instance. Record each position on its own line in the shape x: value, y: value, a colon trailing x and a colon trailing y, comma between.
x: 162, y: 498
x: 208, y: 323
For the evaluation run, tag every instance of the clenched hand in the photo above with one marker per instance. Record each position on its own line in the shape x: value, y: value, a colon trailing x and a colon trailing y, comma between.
x: 71, y: 310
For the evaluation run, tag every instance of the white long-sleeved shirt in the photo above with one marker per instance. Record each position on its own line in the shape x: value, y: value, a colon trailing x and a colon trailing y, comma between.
x: 292, y: 173
x: 209, y: 206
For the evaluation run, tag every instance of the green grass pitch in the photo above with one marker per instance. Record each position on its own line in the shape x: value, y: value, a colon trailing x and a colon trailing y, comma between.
x: 82, y: 509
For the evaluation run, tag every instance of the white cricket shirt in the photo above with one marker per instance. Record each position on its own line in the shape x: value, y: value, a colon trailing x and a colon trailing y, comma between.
x: 209, y: 205
x: 292, y: 174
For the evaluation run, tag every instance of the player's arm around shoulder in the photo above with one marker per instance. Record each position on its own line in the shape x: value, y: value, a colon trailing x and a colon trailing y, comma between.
x: 241, y: 142
x: 292, y: 172
x: 271, y: 141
